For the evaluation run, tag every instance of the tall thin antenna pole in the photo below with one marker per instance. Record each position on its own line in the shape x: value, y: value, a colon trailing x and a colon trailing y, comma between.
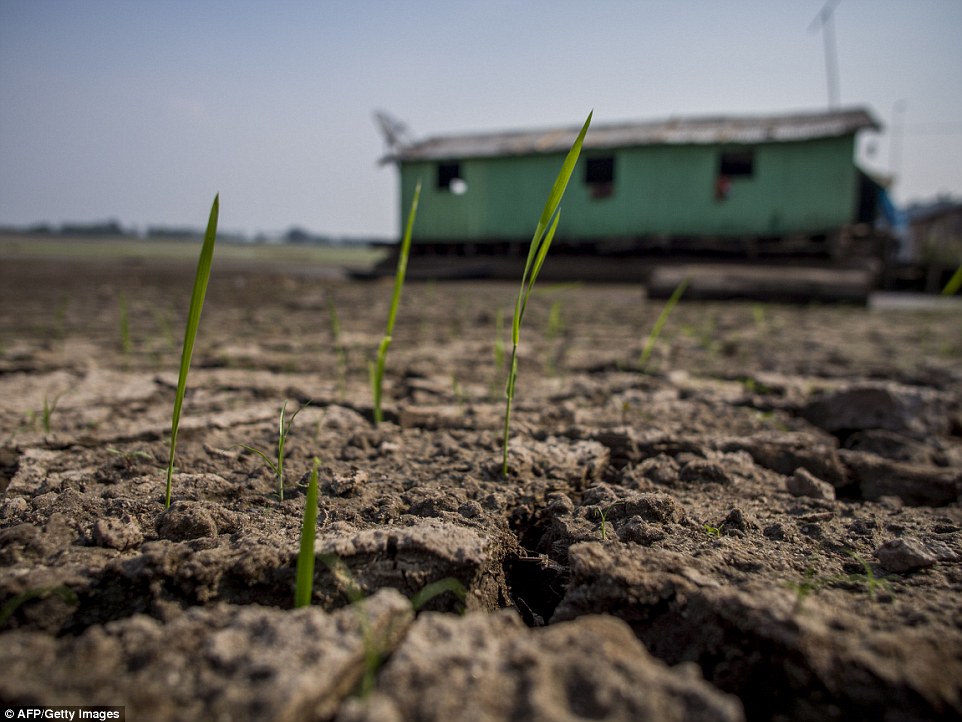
x: 825, y: 20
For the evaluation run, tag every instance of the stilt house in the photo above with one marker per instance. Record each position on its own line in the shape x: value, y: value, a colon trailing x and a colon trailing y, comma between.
x: 724, y: 183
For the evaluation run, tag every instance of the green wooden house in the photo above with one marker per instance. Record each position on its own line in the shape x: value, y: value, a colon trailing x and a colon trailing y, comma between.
x: 719, y: 182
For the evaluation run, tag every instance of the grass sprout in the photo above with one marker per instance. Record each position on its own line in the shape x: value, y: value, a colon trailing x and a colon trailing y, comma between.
x: 377, y: 368
x: 14, y: 603
x: 190, y: 333
x: 660, y: 323
x: 436, y: 589
x: 954, y: 283
x: 537, y: 252
x: 47, y: 412
x: 603, y: 514
x: 276, y: 462
x: 304, y: 585
x: 556, y: 324
x: 374, y: 649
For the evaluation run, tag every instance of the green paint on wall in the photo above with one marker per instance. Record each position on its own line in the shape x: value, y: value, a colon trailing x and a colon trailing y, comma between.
x: 794, y: 187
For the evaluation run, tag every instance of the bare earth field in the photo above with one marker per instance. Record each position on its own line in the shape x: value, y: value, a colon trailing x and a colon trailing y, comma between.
x: 762, y: 524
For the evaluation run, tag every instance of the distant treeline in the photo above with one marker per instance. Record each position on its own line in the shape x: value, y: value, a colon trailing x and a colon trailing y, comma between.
x: 113, y: 228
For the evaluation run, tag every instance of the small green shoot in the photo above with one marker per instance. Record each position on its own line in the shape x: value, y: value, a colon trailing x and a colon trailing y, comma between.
x: 812, y: 583
x: 804, y: 588
x: 276, y: 464
x: 604, y: 523
x: 377, y: 368
x: 660, y: 323
x: 872, y: 583
x: 537, y: 252
x: 304, y: 586
x: 436, y: 589
x: 758, y: 315
x: 556, y: 324
x: 374, y: 652
x: 459, y: 396
x: 714, y: 532
x: 14, y: 603
x: 48, y: 408
x: 190, y: 333
x: 954, y: 283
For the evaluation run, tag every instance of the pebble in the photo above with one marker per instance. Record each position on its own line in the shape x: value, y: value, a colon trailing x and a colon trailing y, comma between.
x: 804, y: 483
x: 905, y: 554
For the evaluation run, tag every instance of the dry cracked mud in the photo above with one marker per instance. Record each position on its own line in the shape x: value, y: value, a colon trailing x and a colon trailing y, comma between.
x: 762, y: 524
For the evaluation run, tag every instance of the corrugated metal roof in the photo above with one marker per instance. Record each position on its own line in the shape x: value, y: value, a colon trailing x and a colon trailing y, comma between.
x: 740, y: 129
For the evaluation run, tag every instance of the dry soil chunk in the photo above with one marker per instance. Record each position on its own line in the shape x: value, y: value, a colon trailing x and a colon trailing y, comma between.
x: 914, y: 484
x: 216, y: 663
x: 804, y: 483
x: 493, y: 668
x: 890, y: 407
x: 121, y: 534
x: 841, y: 666
x: 193, y: 520
x: 408, y: 558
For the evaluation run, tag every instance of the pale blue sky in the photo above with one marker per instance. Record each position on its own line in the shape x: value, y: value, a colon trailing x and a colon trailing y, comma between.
x: 141, y: 111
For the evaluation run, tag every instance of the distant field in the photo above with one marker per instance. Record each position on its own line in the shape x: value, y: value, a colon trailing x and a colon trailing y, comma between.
x: 26, y: 246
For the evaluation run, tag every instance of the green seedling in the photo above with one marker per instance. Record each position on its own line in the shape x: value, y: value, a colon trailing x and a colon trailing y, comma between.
x: 556, y: 324
x: 809, y: 585
x: 48, y: 408
x: 374, y: 652
x: 377, y: 368
x: 603, y: 513
x: 436, y: 589
x: 13, y: 604
x: 758, y: 314
x: 954, y: 283
x: 873, y: 585
x: 304, y: 585
x: 459, y: 396
x: 276, y: 462
x: 714, y: 532
x: 649, y: 346
x: 125, y: 343
x: 190, y: 333
x: 537, y: 252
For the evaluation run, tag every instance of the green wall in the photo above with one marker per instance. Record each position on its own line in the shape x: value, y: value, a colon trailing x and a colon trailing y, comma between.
x: 798, y: 187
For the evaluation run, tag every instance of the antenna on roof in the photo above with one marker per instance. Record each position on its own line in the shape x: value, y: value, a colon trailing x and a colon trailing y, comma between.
x: 395, y: 132
x: 825, y: 21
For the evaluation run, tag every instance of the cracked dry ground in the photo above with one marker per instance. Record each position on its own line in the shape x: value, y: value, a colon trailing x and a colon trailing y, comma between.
x: 765, y: 524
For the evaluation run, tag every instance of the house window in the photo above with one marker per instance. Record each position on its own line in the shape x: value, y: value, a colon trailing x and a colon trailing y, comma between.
x: 600, y: 175
x: 737, y: 164
x: 732, y: 165
x: 449, y: 178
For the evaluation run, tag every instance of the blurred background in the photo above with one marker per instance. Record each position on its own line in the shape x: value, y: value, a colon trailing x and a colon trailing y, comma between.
x: 138, y: 112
